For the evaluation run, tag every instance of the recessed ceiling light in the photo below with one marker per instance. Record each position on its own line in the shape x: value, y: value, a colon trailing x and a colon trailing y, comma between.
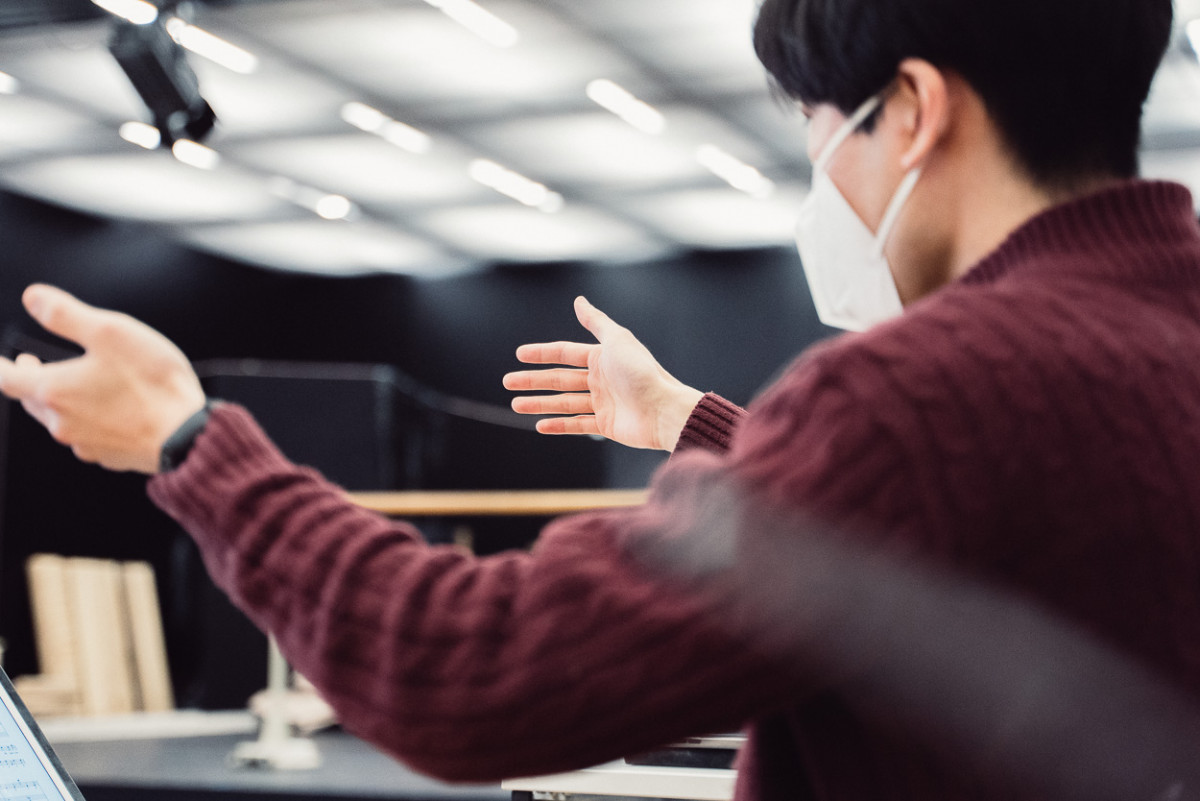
x: 139, y: 12
x: 363, y: 117
x: 334, y: 207
x: 325, y: 205
x: 720, y: 218
x: 316, y: 247
x: 514, y: 233
x: 141, y: 134
x: 8, y: 84
x: 150, y: 186
x: 196, y: 155
x: 735, y: 172
x: 1193, y: 32
x: 372, y: 120
x: 479, y: 21
x: 518, y: 187
x: 620, y: 101
x: 212, y: 47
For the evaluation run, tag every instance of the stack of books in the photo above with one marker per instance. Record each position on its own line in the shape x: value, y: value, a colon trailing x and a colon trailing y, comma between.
x: 99, y: 635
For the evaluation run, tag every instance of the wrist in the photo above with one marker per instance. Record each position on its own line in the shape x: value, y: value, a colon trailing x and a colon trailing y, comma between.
x: 178, y: 445
x: 674, y: 415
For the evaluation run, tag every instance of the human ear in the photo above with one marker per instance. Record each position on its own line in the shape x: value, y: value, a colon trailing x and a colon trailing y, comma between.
x: 926, y: 109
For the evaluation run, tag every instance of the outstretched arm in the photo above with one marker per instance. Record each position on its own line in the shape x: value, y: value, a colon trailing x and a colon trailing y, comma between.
x: 614, y: 388
x: 468, y: 669
x: 117, y: 403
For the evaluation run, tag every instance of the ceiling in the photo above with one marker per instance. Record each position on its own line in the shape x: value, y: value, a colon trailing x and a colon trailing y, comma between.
x: 375, y: 135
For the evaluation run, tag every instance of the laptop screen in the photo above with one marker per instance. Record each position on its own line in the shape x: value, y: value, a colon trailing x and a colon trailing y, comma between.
x: 29, y: 770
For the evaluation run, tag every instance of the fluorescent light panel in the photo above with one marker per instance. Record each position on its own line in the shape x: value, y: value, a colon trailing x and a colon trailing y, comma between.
x: 367, y: 169
x: 515, y: 233
x: 31, y: 125
x: 8, y: 84
x: 325, y: 205
x: 721, y: 218
x: 141, y: 134
x: 196, y: 155
x: 516, y: 186
x: 374, y: 121
x: 620, y: 101
x: 148, y: 186
x: 212, y: 47
x: 312, y: 246
x: 479, y: 21
x: 598, y: 149
x: 735, y: 172
x: 139, y: 12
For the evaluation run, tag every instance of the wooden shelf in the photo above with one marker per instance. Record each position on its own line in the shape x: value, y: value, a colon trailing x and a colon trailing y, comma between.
x: 496, y: 503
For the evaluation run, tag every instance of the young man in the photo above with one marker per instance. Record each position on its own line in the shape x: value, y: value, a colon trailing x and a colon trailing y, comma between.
x: 1032, y: 418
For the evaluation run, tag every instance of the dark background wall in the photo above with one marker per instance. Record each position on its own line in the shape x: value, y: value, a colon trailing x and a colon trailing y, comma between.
x: 725, y: 322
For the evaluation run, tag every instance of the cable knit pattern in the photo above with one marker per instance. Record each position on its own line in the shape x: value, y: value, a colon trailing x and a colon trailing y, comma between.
x: 711, y: 425
x: 467, y: 669
x: 1036, y: 424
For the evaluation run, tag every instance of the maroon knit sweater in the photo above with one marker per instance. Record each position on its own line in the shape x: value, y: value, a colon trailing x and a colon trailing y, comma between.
x: 1036, y: 423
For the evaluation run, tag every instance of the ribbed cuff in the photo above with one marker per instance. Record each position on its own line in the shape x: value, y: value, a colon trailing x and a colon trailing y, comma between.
x: 711, y: 425
x: 229, y: 447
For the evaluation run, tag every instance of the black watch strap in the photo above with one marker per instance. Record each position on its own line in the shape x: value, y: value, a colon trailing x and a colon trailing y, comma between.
x: 177, y: 447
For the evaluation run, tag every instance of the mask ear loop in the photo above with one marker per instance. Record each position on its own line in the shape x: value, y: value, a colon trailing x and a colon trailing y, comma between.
x: 894, y: 208
x: 848, y: 127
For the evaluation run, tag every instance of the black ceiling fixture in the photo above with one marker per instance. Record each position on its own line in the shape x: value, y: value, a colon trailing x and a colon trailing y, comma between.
x: 158, y: 69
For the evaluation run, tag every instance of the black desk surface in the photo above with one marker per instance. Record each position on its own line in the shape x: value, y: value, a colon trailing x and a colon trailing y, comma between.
x: 197, y: 769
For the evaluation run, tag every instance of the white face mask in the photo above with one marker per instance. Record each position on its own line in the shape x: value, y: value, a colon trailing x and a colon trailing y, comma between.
x: 848, y: 275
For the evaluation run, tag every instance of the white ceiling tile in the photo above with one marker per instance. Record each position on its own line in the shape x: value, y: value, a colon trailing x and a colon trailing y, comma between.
x: 664, y: 15
x: 723, y: 218
x: 775, y: 121
x: 594, y: 148
x: 414, y: 54
x: 599, y: 149
x: 144, y: 186
x: 722, y: 58
x: 29, y: 125
x: 685, y: 39
x: 524, y: 106
x: 268, y: 102
x: 319, y: 246
x: 367, y: 169
x: 514, y: 233
x: 692, y: 127
x: 73, y: 64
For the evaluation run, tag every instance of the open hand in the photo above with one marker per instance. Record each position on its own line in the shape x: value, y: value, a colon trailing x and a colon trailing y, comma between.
x: 117, y: 403
x: 614, y: 388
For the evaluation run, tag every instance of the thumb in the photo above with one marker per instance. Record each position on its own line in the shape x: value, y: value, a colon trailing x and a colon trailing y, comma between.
x: 595, y: 321
x: 18, y: 380
x: 62, y: 313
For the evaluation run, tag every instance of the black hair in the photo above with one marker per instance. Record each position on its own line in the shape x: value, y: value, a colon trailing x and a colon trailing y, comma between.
x: 1064, y: 80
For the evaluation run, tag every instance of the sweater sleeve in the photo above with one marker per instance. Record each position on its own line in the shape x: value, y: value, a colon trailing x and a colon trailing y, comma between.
x: 711, y: 425
x: 469, y: 669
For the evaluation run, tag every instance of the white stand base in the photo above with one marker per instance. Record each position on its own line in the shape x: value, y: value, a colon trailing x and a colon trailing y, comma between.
x: 292, y: 753
x: 276, y: 748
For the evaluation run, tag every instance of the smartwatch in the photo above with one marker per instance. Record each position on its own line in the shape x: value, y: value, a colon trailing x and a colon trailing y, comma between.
x: 177, y: 447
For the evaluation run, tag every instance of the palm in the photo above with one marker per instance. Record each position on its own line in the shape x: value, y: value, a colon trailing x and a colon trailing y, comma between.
x: 622, y: 390
x: 614, y: 388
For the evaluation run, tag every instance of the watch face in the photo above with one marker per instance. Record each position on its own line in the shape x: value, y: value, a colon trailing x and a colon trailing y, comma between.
x: 177, y: 447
